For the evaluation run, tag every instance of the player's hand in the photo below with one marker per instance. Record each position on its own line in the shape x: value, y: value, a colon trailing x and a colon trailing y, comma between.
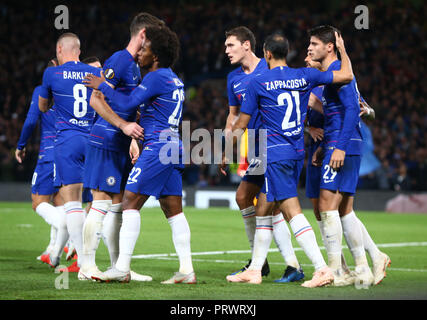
x: 133, y: 130
x: 366, y: 111
x: 134, y: 151
x: 92, y: 81
x: 317, y: 158
x: 339, y: 41
x: 97, y: 94
x: 223, y: 165
x: 20, y: 155
x: 337, y: 159
x: 316, y: 133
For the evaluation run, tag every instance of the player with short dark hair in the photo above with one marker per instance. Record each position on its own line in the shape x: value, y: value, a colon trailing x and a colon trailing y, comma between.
x: 242, y: 34
x: 339, y: 158
x: 93, y: 61
x: 74, y: 118
x: 109, y: 146
x: 281, y: 95
x: 239, y: 47
x: 160, y: 99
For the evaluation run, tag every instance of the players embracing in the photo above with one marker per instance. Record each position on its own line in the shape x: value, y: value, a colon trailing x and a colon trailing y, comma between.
x: 157, y: 172
x: 281, y: 95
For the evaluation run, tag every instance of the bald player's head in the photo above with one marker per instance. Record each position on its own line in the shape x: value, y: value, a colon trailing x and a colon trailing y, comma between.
x: 68, y: 47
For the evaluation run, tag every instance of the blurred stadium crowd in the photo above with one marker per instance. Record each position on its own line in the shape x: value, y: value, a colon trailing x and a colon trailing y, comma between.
x: 388, y: 61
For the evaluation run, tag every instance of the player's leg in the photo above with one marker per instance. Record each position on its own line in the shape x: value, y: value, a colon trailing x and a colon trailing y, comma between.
x: 41, y: 193
x: 262, y: 240
x: 347, y: 178
x: 42, y: 190
x: 313, y: 181
x: 75, y: 215
x: 111, y: 227
x: 69, y: 154
x: 48, y: 216
x: 62, y: 232
x: 92, y: 229
x: 306, y: 238
x: 41, y: 205
x: 181, y: 237
x: 119, y: 165
x: 328, y: 208
x: 247, y: 190
x: 38, y: 201
x: 282, y: 238
x: 129, y: 231
x: 353, y: 228
x: 128, y: 235
x: 87, y: 198
x: 283, y: 177
x: 245, y: 194
x: 111, y: 233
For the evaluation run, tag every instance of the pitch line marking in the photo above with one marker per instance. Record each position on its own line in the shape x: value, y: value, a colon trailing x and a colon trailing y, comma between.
x: 382, y: 245
x: 173, y: 256
x: 278, y: 263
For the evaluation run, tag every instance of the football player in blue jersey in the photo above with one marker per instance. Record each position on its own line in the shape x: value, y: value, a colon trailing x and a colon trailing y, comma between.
x: 342, y: 141
x: 108, y: 145
x: 380, y: 260
x: 74, y: 118
x: 158, y: 170
x: 42, y: 185
x: 87, y: 197
x: 282, y: 95
x: 240, y: 47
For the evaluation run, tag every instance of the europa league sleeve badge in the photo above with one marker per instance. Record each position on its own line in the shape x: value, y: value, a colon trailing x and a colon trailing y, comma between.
x: 109, y: 73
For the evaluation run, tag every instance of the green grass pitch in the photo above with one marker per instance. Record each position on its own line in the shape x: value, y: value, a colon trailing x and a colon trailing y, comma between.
x: 24, y: 235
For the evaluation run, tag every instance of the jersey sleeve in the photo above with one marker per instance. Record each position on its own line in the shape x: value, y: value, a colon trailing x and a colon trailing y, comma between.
x: 232, y: 99
x: 317, y: 78
x: 250, y: 102
x: 318, y: 92
x: 31, y: 120
x: 113, y: 69
x: 149, y: 87
x: 350, y: 100
x: 45, y: 90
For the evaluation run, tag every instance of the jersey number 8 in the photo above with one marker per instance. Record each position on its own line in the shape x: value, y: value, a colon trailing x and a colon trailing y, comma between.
x: 80, y: 100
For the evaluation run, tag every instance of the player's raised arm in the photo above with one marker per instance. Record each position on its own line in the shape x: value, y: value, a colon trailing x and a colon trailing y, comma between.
x: 138, y: 96
x: 345, y: 74
x: 366, y: 111
x: 131, y: 129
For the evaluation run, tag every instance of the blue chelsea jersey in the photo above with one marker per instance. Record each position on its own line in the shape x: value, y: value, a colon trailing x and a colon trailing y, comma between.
x: 160, y: 98
x: 74, y: 115
x: 341, y: 116
x: 237, y: 83
x: 281, y: 95
x: 124, y: 74
x: 47, y: 128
